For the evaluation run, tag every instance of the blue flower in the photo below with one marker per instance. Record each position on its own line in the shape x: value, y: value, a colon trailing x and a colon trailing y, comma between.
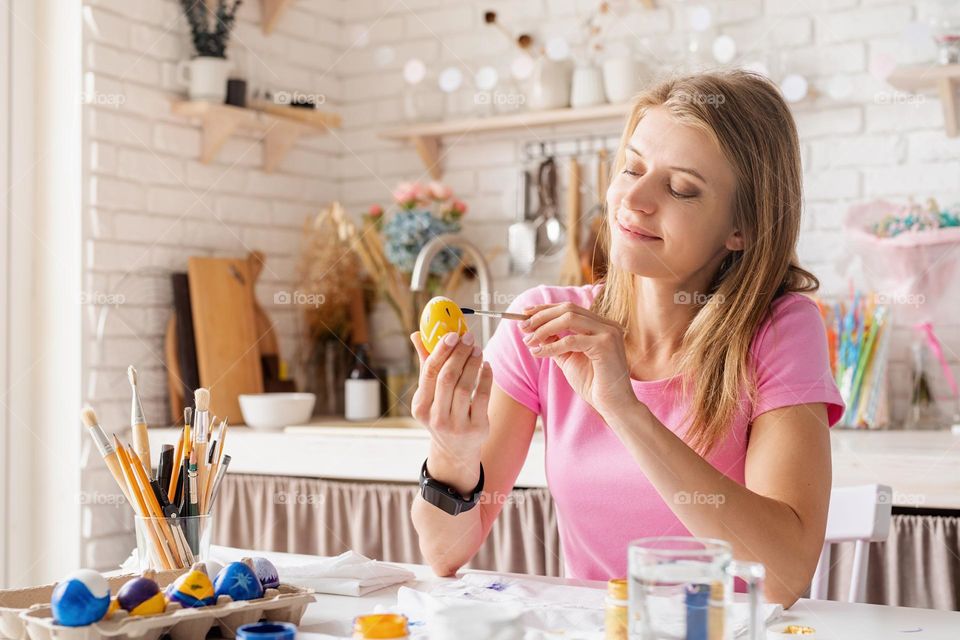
x: 407, y: 231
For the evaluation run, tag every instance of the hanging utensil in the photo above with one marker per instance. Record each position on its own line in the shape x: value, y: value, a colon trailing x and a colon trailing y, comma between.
x: 571, y: 272
x: 550, y: 231
x: 593, y: 259
x: 522, y: 234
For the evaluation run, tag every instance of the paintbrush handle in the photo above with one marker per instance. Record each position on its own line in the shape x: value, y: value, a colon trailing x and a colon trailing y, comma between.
x: 503, y: 315
x: 141, y: 444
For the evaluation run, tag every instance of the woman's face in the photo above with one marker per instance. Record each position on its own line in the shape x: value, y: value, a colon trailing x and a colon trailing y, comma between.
x: 671, y: 207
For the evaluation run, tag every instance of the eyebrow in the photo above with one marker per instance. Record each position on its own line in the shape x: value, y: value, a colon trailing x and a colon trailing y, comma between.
x: 692, y: 172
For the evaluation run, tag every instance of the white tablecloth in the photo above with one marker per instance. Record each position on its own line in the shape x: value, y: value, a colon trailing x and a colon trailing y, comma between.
x: 333, y: 615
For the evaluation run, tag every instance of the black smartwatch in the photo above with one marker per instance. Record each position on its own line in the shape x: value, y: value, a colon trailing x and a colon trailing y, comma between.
x: 447, y: 498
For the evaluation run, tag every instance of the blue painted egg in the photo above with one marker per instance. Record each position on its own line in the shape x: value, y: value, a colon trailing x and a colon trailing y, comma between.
x: 239, y: 581
x: 266, y: 573
x: 81, y: 598
x: 192, y: 589
x: 141, y: 597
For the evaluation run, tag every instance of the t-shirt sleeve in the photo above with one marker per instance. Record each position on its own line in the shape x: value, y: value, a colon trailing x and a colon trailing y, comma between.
x: 792, y: 360
x: 515, y: 369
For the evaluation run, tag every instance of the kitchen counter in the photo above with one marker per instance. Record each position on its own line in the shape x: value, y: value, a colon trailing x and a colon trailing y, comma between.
x: 922, y: 467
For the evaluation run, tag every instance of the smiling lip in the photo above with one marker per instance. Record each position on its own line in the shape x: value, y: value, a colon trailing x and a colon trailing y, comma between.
x: 640, y: 234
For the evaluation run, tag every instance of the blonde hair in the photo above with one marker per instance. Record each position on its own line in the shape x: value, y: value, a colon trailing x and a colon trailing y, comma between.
x: 752, y: 126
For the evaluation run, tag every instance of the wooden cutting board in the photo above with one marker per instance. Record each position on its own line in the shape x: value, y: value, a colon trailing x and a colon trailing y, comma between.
x: 224, y: 325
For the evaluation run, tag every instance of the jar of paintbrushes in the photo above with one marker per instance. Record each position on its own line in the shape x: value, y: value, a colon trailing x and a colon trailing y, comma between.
x: 172, y: 506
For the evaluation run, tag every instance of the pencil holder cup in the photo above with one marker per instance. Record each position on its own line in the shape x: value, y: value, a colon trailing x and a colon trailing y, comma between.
x: 172, y: 543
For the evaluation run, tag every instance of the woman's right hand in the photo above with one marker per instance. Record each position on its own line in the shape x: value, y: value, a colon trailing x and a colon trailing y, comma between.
x: 451, y: 402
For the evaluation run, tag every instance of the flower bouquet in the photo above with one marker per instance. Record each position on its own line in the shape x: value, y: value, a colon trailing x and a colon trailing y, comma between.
x: 389, y: 240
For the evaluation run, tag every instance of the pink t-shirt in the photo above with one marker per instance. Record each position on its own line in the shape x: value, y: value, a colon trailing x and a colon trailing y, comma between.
x: 603, y: 499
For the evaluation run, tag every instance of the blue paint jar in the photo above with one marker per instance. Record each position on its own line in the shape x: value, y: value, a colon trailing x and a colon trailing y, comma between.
x: 267, y: 631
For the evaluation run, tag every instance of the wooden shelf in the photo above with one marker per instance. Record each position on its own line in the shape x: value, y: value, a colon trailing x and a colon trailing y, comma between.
x: 427, y: 137
x: 270, y: 12
x: 942, y: 78
x: 280, y: 132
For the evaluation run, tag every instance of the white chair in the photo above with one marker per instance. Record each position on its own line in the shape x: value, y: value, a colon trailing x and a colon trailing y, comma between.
x: 857, y: 514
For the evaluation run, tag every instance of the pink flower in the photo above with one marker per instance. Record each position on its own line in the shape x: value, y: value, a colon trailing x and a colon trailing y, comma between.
x: 439, y: 191
x: 375, y: 211
x: 459, y: 207
x: 409, y: 194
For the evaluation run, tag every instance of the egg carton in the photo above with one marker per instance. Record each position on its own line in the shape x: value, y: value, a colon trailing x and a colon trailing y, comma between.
x: 13, y: 602
x: 286, y: 603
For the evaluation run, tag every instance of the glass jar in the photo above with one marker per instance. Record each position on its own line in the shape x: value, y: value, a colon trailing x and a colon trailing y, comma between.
x: 381, y: 625
x: 615, y: 615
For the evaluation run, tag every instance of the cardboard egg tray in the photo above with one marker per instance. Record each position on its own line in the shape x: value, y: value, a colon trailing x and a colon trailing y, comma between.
x: 287, y: 603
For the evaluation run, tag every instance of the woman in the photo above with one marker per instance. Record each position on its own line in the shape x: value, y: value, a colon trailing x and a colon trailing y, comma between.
x: 689, y: 392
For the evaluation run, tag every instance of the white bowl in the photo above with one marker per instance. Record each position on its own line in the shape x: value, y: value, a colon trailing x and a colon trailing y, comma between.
x: 276, y: 410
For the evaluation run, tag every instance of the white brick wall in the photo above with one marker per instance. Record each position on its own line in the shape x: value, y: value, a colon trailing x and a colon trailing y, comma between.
x: 150, y: 203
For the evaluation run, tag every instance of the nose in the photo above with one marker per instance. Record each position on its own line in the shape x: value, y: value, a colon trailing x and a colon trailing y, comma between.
x: 639, y: 196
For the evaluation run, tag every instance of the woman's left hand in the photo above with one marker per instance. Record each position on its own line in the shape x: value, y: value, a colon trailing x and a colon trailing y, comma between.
x: 589, y: 349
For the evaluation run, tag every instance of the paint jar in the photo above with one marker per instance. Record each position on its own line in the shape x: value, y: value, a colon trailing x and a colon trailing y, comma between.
x: 267, y: 631
x: 391, y: 626
x: 615, y: 611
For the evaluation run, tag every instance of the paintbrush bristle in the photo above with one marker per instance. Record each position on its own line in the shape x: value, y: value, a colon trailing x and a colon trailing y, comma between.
x: 201, y: 399
x: 187, y: 415
x: 132, y: 376
x: 89, y: 417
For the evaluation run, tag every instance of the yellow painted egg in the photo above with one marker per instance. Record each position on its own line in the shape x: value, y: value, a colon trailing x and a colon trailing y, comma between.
x: 440, y: 317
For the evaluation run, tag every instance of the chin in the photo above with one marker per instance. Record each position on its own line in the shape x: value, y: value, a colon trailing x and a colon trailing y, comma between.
x: 640, y: 262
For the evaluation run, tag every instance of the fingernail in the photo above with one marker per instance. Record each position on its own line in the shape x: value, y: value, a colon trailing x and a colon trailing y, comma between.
x: 527, y: 338
x: 524, y: 323
x: 535, y: 349
x: 477, y: 351
x: 451, y: 339
x: 467, y: 338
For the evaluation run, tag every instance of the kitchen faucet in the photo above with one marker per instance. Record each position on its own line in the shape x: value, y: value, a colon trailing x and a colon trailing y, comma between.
x: 421, y: 270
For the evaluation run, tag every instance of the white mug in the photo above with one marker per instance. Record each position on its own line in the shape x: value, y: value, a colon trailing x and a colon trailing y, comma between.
x: 622, y: 78
x: 205, y: 78
x: 587, y: 89
x: 550, y: 86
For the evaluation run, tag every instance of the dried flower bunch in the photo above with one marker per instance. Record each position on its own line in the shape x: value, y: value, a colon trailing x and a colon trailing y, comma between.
x: 328, y: 271
x: 210, y: 30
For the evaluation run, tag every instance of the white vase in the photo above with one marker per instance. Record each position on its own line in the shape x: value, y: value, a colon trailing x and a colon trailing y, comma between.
x: 205, y: 78
x: 587, y: 87
x: 622, y: 78
x: 550, y: 84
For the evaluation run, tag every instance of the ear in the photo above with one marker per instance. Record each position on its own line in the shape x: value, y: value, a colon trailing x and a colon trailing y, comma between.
x: 734, y: 242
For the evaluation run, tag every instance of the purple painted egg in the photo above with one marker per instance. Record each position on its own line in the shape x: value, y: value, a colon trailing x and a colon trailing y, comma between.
x: 266, y: 573
x: 239, y: 581
x: 82, y: 598
x: 142, y: 597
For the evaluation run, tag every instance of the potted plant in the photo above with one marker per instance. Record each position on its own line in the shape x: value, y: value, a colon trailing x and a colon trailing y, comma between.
x: 205, y: 75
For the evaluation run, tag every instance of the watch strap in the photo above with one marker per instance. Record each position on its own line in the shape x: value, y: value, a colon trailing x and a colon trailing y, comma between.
x: 445, y: 497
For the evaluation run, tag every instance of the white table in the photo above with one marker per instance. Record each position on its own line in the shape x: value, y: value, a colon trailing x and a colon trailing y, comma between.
x: 332, y: 615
